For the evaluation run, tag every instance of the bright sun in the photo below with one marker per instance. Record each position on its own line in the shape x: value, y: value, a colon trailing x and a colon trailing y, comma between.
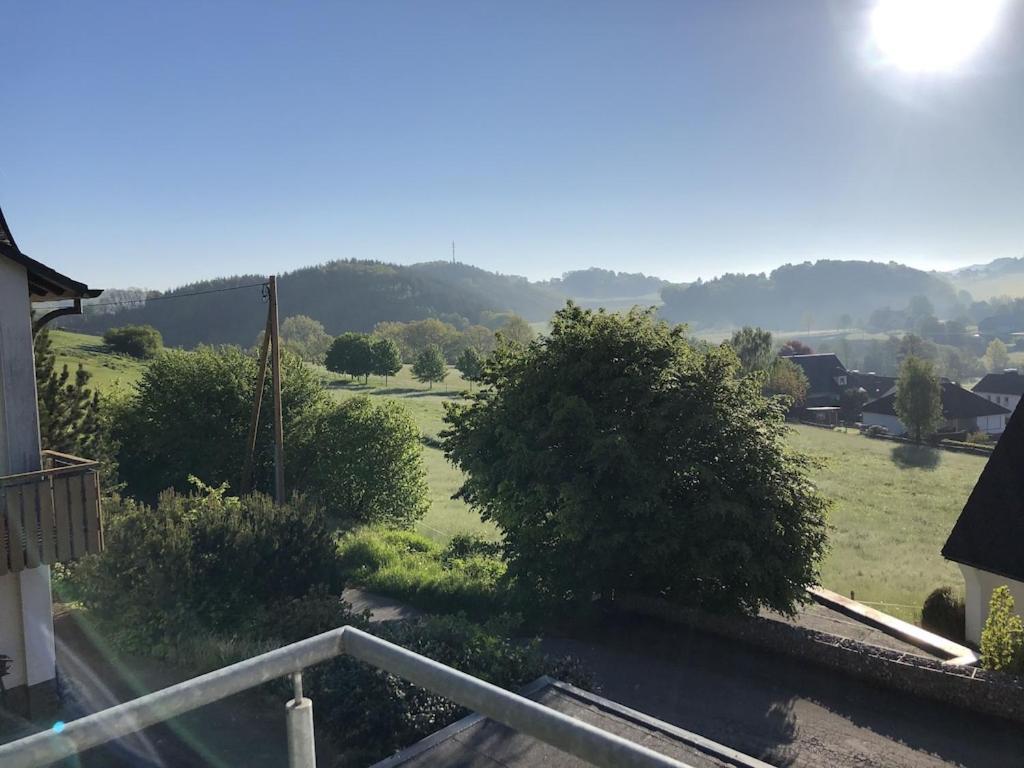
x: 932, y: 35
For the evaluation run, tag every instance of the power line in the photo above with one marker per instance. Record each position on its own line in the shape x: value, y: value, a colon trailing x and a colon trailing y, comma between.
x: 171, y: 296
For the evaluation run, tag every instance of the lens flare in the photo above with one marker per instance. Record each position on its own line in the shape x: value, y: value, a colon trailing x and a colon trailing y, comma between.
x: 932, y: 35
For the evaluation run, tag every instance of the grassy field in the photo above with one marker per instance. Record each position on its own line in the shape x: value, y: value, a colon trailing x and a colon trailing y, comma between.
x: 894, y: 505
x: 109, y: 371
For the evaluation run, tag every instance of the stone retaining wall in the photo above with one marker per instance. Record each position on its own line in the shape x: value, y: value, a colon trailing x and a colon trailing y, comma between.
x: 978, y: 690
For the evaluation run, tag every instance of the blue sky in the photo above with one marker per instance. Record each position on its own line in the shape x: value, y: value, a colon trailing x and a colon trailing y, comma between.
x: 154, y: 144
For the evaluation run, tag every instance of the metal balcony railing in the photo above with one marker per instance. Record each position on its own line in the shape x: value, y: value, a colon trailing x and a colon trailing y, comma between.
x: 50, y: 516
x: 581, y: 739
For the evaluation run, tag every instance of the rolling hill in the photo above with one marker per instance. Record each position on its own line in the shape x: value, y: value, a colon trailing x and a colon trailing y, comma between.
x: 355, y: 295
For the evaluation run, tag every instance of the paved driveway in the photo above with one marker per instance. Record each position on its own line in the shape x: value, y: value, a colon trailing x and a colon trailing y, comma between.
x: 779, y: 709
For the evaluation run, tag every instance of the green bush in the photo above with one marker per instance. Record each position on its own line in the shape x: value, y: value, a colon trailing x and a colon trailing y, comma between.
x: 464, y: 577
x: 205, y: 563
x: 1002, y: 639
x: 189, y: 416
x: 978, y: 438
x: 142, y: 341
x: 617, y: 456
x: 381, y: 713
x: 362, y: 460
x: 943, y: 613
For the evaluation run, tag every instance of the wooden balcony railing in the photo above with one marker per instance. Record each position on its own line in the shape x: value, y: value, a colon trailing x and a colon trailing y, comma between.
x: 50, y: 516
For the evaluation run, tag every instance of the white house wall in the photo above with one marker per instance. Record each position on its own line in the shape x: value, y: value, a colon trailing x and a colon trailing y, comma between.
x: 978, y: 587
x: 992, y: 425
x: 26, y: 610
x: 1009, y: 402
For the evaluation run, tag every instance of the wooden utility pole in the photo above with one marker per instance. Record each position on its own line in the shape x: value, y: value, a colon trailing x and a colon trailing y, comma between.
x: 275, y: 367
x: 261, y: 378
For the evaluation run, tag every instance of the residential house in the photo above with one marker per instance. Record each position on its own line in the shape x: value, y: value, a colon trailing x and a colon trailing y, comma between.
x: 827, y: 378
x: 874, y: 386
x: 1005, y: 389
x: 49, y: 503
x: 962, y: 411
x: 987, y: 541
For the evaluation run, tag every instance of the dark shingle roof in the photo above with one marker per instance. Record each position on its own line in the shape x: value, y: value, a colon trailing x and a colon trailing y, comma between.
x: 989, y: 534
x: 44, y: 283
x: 957, y: 403
x: 872, y: 383
x: 477, y: 742
x: 1008, y: 383
x: 820, y: 370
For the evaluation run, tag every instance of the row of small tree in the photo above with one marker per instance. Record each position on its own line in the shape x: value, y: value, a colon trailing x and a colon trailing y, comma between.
x: 361, y: 354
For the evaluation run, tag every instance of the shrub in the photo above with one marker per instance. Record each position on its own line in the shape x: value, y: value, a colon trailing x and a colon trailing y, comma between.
x: 382, y: 713
x: 408, y: 566
x: 1002, y: 639
x: 143, y: 341
x: 363, y: 462
x: 978, y: 438
x: 943, y: 613
x: 189, y: 415
x: 616, y: 456
x: 204, y: 563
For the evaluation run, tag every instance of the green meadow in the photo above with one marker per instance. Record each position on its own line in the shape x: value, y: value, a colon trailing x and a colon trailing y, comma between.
x: 893, y: 504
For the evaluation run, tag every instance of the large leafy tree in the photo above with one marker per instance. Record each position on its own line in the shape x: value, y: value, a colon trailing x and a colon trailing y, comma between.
x: 387, y: 358
x: 918, y: 401
x: 306, y: 337
x: 753, y: 346
x: 997, y: 357
x: 517, y: 331
x: 430, y: 366
x: 795, y: 347
x: 351, y: 353
x: 616, y: 456
x: 786, y: 378
x: 470, y: 364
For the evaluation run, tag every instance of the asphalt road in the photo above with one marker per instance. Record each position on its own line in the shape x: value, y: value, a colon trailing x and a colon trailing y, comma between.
x: 778, y: 709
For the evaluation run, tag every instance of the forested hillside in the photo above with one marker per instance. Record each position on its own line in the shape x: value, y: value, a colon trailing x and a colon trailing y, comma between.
x: 596, y: 283
x: 823, y: 294
x: 356, y: 295
x: 343, y: 295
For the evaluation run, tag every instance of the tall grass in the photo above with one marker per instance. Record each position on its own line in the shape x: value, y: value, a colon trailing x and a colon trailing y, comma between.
x: 465, y: 576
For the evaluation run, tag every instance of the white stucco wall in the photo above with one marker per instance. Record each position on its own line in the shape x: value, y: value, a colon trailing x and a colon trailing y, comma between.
x: 26, y: 618
x: 993, y: 425
x: 891, y: 423
x: 978, y: 587
x: 1009, y: 402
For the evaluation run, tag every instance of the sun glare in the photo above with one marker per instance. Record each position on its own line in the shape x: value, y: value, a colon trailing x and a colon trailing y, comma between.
x: 932, y: 35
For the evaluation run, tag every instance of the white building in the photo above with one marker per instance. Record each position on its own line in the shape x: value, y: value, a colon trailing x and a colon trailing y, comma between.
x: 1005, y: 389
x: 987, y: 541
x: 49, y: 503
x: 962, y: 411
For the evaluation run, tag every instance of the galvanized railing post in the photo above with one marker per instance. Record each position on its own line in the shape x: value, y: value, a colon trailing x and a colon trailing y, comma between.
x: 299, y: 714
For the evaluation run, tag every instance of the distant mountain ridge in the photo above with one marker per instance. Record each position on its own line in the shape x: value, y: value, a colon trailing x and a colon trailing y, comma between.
x: 355, y: 295
x: 346, y: 295
x: 821, y: 294
x: 999, y: 277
